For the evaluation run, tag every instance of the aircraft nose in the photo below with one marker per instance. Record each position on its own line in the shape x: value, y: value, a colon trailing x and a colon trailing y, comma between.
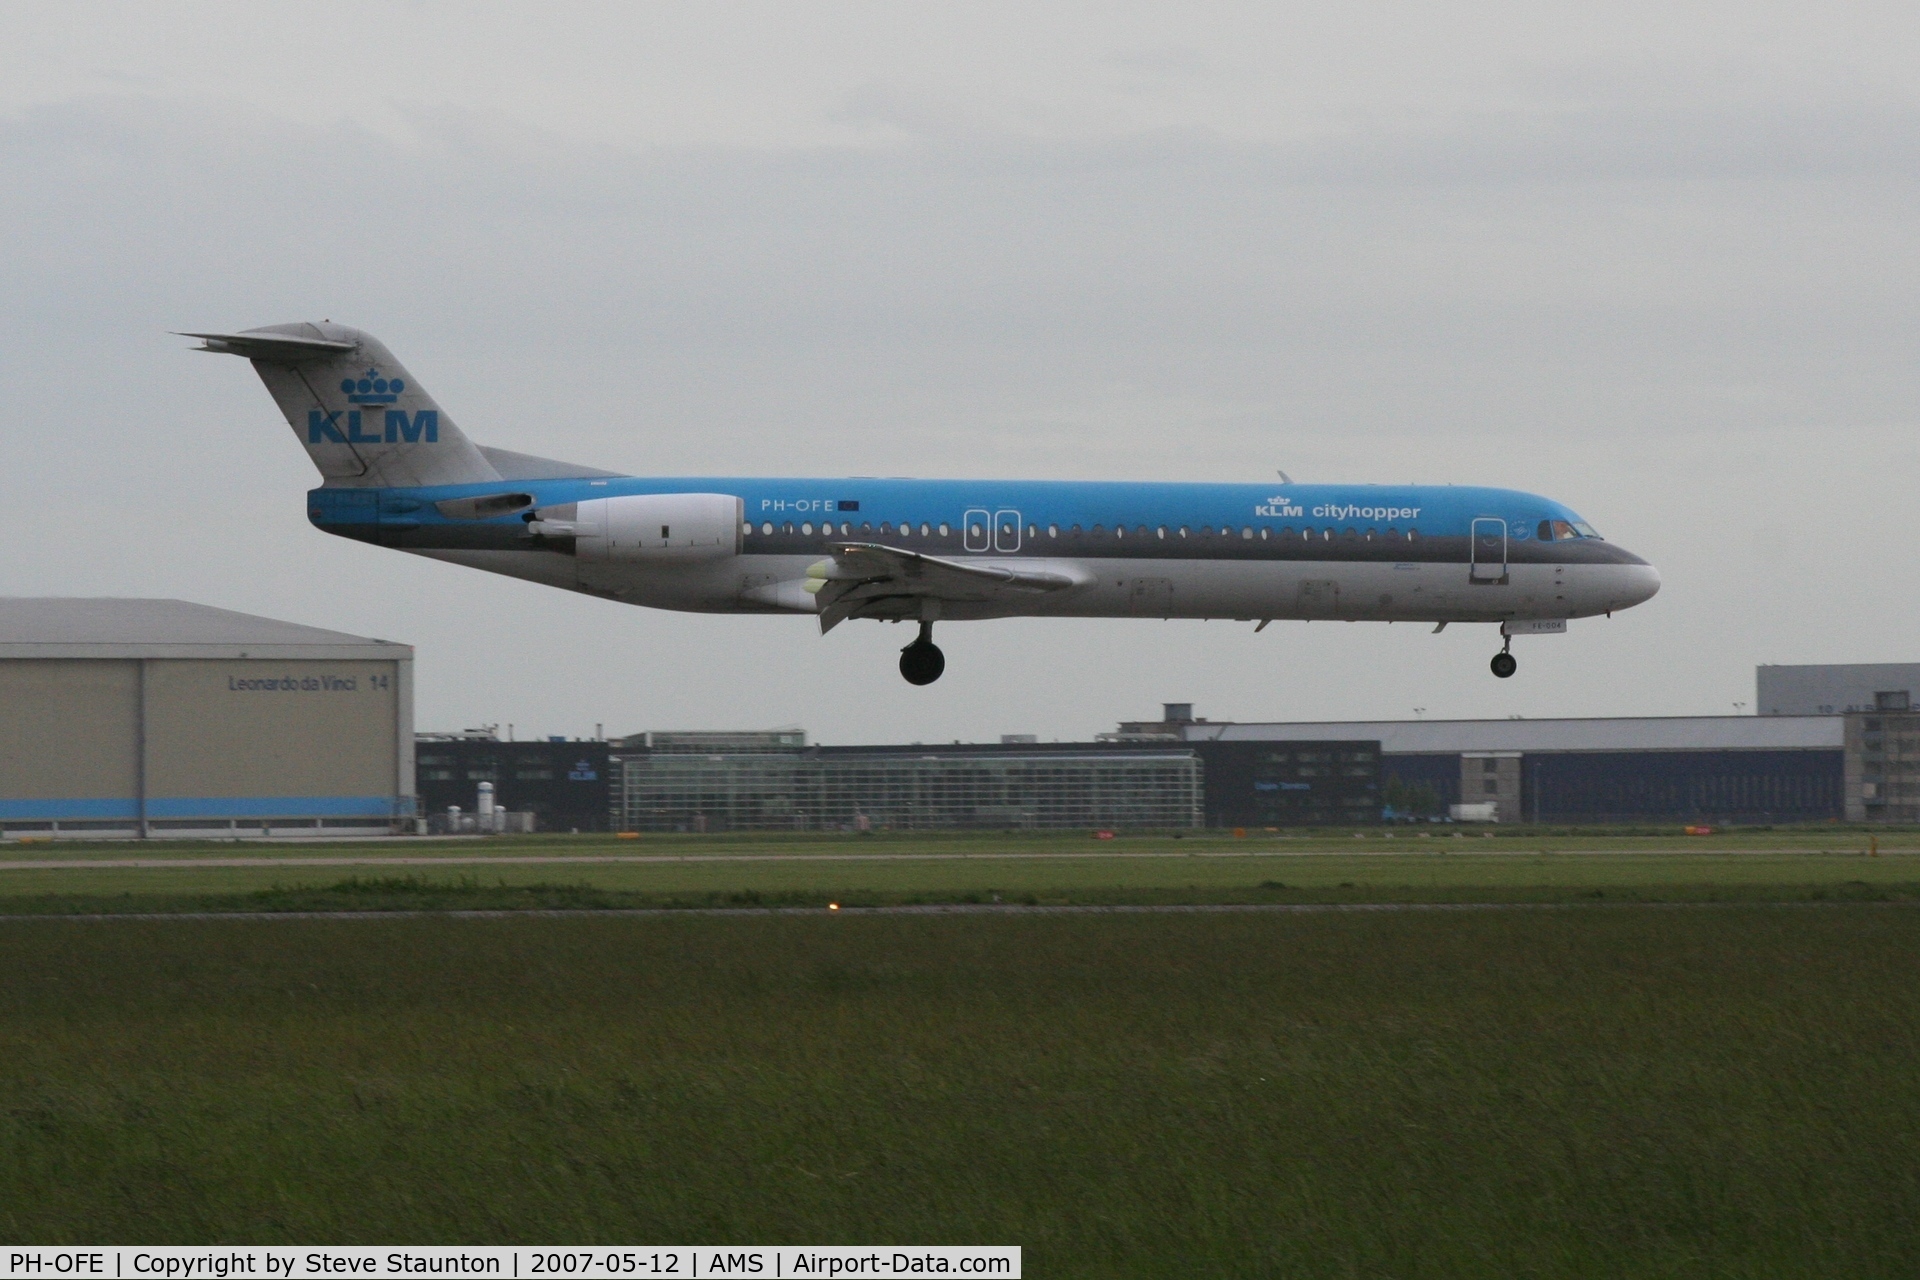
x: 1637, y: 584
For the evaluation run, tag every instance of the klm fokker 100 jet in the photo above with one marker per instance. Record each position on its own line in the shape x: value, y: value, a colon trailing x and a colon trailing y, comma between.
x: 398, y: 473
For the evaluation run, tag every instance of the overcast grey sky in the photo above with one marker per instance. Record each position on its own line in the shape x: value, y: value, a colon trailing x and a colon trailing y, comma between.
x: 1656, y: 261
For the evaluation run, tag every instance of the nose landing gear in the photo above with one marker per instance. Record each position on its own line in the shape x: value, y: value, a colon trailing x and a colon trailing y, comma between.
x: 1504, y: 663
x: 922, y: 662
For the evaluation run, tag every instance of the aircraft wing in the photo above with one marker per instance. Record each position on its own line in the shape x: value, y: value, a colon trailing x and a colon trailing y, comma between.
x: 868, y: 580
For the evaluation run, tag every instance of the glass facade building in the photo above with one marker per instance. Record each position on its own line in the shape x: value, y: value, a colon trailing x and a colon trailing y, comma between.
x: 907, y: 788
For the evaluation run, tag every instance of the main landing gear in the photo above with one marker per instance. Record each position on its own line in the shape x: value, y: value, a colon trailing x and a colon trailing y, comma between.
x: 1504, y: 663
x: 922, y: 662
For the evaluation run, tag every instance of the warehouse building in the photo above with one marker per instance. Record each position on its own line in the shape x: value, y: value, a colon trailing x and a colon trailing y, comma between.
x: 1837, y: 688
x: 1709, y: 769
x: 160, y: 717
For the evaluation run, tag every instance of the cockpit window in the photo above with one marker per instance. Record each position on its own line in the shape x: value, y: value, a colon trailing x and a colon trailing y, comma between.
x: 1556, y: 531
x: 1585, y: 530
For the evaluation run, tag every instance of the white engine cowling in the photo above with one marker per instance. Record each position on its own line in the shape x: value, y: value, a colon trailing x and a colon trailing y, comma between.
x: 659, y: 528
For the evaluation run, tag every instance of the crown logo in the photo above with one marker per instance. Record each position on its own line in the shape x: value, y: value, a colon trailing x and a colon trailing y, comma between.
x: 371, y: 388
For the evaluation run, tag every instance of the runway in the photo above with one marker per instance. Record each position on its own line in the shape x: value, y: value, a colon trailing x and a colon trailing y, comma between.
x: 641, y: 859
x: 954, y: 909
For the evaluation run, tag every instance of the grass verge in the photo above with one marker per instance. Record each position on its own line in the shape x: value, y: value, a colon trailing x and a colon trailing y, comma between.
x: 1631, y: 1093
x: 1314, y: 878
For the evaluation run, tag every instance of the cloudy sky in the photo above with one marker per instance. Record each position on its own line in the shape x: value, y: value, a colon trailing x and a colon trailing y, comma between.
x: 1656, y: 261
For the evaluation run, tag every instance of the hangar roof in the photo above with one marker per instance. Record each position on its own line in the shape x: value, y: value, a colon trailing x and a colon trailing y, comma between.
x: 1626, y: 733
x: 112, y: 627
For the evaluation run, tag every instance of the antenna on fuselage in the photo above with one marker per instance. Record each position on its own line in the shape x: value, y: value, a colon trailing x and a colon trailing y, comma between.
x: 1285, y: 478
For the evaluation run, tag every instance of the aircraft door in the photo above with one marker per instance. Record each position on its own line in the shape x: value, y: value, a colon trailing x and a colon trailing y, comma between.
x: 978, y: 530
x: 1487, y: 562
x: 1006, y: 530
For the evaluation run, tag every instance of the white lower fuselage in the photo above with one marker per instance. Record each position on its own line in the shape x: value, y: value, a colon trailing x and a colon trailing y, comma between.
x: 1113, y: 587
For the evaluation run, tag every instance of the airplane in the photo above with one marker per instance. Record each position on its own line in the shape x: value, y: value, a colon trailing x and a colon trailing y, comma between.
x: 397, y: 472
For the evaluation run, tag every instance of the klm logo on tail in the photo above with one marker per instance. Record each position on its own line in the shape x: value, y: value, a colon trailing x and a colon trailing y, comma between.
x: 370, y: 388
x: 422, y: 425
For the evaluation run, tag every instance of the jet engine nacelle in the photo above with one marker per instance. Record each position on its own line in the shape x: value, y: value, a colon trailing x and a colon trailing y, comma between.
x: 659, y: 528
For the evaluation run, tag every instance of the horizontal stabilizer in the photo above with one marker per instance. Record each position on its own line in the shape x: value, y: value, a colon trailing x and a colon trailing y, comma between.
x: 281, y: 348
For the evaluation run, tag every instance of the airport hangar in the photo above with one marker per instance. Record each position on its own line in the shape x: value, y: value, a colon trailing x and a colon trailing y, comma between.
x: 149, y: 717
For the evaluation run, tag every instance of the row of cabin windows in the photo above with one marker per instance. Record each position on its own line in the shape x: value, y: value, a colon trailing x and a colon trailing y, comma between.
x: 1247, y: 533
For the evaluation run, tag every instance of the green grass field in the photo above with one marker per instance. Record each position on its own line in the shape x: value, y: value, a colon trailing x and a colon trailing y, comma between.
x: 1724, y: 1086
x: 1647, y: 1091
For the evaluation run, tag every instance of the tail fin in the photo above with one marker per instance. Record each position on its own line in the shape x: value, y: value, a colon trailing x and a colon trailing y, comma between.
x: 364, y: 420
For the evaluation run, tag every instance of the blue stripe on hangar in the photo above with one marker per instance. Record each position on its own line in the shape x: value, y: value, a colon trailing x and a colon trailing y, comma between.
x: 221, y: 807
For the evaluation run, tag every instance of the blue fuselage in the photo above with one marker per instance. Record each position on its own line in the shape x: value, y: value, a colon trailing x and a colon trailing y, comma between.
x: 1439, y: 553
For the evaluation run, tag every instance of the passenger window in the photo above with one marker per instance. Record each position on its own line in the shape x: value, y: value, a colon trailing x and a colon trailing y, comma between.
x: 924, y: 530
x: 767, y: 528
x: 866, y: 526
x: 1246, y: 534
x: 886, y: 526
x: 1183, y: 531
x: 1161, y: 532
x: 1074, y: 532
x: 1413, y: 535
x: 976, y: 530
x: 787, y: 527
x: 1263, y: 533
x: 1119, y: 531
x: 1351, y: 535
x: 847, y: 528
x: 1053, y: 531
x: 1098, y: 530
x: 747, y: 527
x: 1370, y: 535
x: 1140, y: 531
x: 1392, y: 532
x: 946, y: 530
x: 1033, y: 531
x: 807, y: 527
x: 1206, y: 531
x: 1286, y: 531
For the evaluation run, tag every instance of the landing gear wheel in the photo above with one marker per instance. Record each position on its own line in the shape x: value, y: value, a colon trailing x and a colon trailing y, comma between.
x: 922, y: 662
x: 1504, y: 664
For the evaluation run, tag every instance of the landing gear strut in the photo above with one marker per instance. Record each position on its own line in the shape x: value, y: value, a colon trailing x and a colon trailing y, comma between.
x: 922, y: 662
x: 1504, y: 663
